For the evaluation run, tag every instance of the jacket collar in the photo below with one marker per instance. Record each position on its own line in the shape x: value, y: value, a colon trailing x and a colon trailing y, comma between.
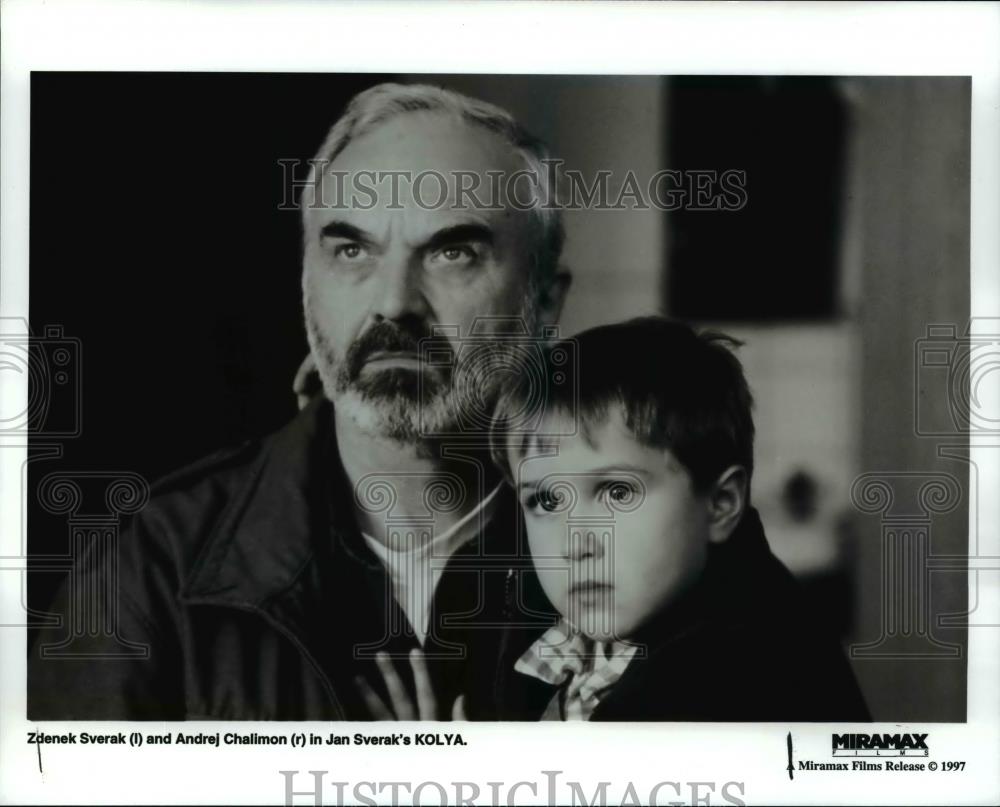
x: 295, y: 507
x: 724, y: 593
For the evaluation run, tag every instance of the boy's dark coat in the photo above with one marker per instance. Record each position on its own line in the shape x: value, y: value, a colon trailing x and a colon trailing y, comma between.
x: 738, y: 646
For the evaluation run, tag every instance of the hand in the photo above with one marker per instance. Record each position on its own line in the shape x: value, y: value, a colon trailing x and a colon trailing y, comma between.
x: 401, y: 706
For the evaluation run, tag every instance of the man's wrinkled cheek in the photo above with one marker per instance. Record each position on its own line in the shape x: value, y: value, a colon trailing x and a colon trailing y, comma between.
x: 323, y: 298
x: 492, y: 294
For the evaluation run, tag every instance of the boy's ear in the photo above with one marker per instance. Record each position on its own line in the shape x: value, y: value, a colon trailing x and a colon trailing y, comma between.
x: 726, y: 503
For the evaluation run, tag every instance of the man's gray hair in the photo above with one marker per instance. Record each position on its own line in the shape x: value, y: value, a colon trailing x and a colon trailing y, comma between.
x: 378, y: 104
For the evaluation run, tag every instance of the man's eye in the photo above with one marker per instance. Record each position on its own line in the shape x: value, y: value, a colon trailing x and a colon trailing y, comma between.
x: 454, y: 256
x: 350, y: 252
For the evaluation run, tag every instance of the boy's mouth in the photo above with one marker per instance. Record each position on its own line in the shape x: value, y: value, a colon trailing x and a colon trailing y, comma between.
x: 589, y: 588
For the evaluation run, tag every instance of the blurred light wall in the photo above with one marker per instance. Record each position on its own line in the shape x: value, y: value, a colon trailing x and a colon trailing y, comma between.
x: 911, y: 192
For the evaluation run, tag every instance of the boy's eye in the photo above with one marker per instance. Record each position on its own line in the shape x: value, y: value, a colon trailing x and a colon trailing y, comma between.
x: 620, y: 495
x: 550, y: 500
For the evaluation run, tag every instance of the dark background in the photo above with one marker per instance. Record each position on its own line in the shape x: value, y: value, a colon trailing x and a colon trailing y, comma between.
x: 776, y: 259
x: 156, y: 240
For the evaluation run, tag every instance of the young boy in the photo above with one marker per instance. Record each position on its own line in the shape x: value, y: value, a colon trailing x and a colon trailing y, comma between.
x: 653, y: 594
x: 649, y: 591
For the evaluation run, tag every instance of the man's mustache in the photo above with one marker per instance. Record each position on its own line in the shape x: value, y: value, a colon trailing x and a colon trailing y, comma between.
x: 391, y: 337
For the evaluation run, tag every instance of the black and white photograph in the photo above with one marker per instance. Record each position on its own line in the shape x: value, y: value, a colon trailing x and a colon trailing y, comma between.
x: 477, y: 500
x: 470, y: 400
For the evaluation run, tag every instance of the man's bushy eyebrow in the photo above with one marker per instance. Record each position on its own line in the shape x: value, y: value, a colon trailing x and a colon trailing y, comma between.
x: 479, y: 233
x: 460, y: 232
x: 341, y: 229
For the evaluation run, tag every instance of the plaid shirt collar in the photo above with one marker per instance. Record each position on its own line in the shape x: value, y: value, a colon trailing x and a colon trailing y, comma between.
x: 564, y: 654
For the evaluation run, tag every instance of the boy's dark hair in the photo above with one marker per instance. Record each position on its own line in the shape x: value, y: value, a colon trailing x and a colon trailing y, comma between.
x: 677, y: 390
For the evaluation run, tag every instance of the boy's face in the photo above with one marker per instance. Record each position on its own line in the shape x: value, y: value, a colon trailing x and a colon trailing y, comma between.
x: 616, y: 529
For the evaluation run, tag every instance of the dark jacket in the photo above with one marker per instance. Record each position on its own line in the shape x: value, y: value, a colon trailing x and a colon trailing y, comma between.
x: 246, y: 580
x: 739, y: 646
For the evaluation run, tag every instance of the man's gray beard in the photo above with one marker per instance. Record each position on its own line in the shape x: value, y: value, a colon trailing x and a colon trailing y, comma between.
x: 398, y: 404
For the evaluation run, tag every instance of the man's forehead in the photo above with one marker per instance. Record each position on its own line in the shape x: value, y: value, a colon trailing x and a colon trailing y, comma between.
x: 420, y: 173
x: 426, y: 141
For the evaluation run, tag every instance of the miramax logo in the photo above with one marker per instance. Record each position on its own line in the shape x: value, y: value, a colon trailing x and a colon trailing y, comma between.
x: 880, y: 745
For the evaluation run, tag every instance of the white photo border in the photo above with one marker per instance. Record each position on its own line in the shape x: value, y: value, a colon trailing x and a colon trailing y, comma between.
x: 452, y: 37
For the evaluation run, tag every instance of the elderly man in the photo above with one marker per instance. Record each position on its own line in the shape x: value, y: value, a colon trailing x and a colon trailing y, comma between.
x: 274, y: 581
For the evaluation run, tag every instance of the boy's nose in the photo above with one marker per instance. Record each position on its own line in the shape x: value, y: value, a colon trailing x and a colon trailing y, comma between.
x: 588, y: 541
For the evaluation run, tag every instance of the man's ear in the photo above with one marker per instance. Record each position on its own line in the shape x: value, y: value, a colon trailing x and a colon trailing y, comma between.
x: 554, y: 296
x: 307, y: 384
x: 727, y: 502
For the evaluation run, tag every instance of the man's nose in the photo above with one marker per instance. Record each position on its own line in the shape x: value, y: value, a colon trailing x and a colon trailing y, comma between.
x: 400, y: 294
